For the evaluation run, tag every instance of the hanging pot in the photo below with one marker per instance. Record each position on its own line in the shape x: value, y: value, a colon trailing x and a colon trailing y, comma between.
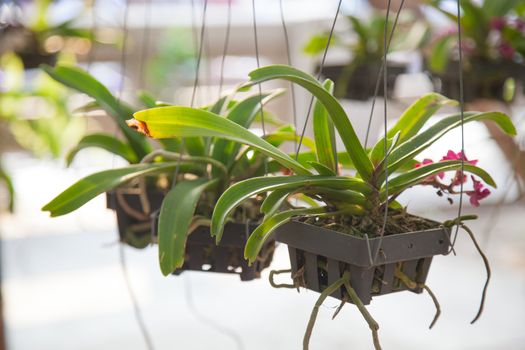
x: 361, y: 83
x: 202, y: 254
x: 484, y: 80
x: 320, y: 256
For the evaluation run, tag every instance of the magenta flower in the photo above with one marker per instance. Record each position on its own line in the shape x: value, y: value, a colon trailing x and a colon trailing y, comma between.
x: 506, y: 51
x: 497, y: 23
x: 429, y: 179
x: 451, y: 155
x: 478, y: 193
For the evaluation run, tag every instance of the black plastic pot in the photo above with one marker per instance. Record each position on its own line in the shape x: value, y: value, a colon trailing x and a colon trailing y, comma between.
x: 361, y: 84
x: 483, y: 80
x: 202, y: 254
x: 322, y: 256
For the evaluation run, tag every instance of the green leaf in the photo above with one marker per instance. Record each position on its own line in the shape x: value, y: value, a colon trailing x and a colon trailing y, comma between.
x: 6, y: 179
x: 324, y: 133
x: 106, y: 142
x: 147, y: 99
x: 82, y: 81
x: 274, y: 200
x: 322, y: 169
x: 412, y: 147
x: 335, y: 110
x: 377, y: 156
x: 418, y: 175
x: 261, y: 234
x: 279, y: 137
x: 242, y: 114
x: 440, y: 54
x: 167, y: 122
x: 242, y: 190
x: 91, y: 186
x: 176, y: 214
x: 417, y: 114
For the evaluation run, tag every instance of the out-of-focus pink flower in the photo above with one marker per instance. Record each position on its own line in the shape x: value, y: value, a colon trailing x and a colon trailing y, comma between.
x: 479, y: 192
x: 520, y: 24
x: 506, y: 51
x: 451, y: 155
x: 497, y: 23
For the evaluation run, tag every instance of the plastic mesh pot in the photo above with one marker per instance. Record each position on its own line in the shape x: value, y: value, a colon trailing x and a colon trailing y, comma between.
x: 202, y: 254
x: 320, y: 256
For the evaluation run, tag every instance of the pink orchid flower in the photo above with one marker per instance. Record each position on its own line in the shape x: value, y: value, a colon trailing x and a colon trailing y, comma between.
x: 430, y: 178
x: 478, y: 193
x: 451, y: 155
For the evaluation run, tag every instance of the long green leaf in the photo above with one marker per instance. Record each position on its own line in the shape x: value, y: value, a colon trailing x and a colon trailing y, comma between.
x: 91, y: 186
x: 324, y: 132
x: 335, y: 110
x: 106, y: 142
x: 417, y: 114
x: 167, y: 122
x: 6, y: 179
x: 418, y: 175
x: 242, y: 114
x: 240, y: 191
x: 82, y: 81
x: 176, y: 214
x: 274, y: 200
x: 412, y: 147
x: 261, y: 234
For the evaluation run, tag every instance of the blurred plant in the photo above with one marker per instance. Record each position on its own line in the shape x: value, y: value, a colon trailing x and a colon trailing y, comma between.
x: 367, y: 47
x: 36, y: 110
x: 493, y: 31
x: 36, y: 40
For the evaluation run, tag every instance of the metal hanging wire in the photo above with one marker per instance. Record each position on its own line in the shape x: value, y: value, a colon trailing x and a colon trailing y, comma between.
x: 318, y: 76
x: 225, y: 48
x: 122, y: 256
x: 196, y: 80
x: 462, y: 112
x: 385, y: 130
x: 256, y: 42
x: 146, y: 36
x: 380, y: 74
x: 289, y: 62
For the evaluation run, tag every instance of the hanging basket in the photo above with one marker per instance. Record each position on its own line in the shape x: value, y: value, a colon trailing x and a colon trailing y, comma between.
x: 485, y: 80
x: 202, y: 254
x: 362, y: 83
x: 320, y: 256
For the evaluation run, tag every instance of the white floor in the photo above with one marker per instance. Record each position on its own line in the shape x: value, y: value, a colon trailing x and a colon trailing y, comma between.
x: 64, y: 289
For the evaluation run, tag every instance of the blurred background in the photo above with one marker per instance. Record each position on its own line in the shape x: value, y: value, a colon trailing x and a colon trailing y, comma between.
x: 62, y: 281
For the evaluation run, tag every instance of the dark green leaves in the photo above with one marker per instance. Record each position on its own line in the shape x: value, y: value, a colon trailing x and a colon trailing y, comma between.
x: 91, y: 186
x: 176, y: 214
x: 106, y: 142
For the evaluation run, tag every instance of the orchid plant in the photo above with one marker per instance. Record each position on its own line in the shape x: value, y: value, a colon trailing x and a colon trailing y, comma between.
x: 200, y: 168
x: 493, y: 31
x: 364, y: 194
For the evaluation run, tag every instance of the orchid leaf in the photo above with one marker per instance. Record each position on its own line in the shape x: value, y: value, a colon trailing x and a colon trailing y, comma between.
x: 335, y: 110
x: 322, y: 169
x: 261, y: 234
x: 324, y: 132
x: 242, y: 190
x: 418, y: 175
x: 106, y: 142
x: 176, y: 214
x: 168, y: 122
x: 91, y: 186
